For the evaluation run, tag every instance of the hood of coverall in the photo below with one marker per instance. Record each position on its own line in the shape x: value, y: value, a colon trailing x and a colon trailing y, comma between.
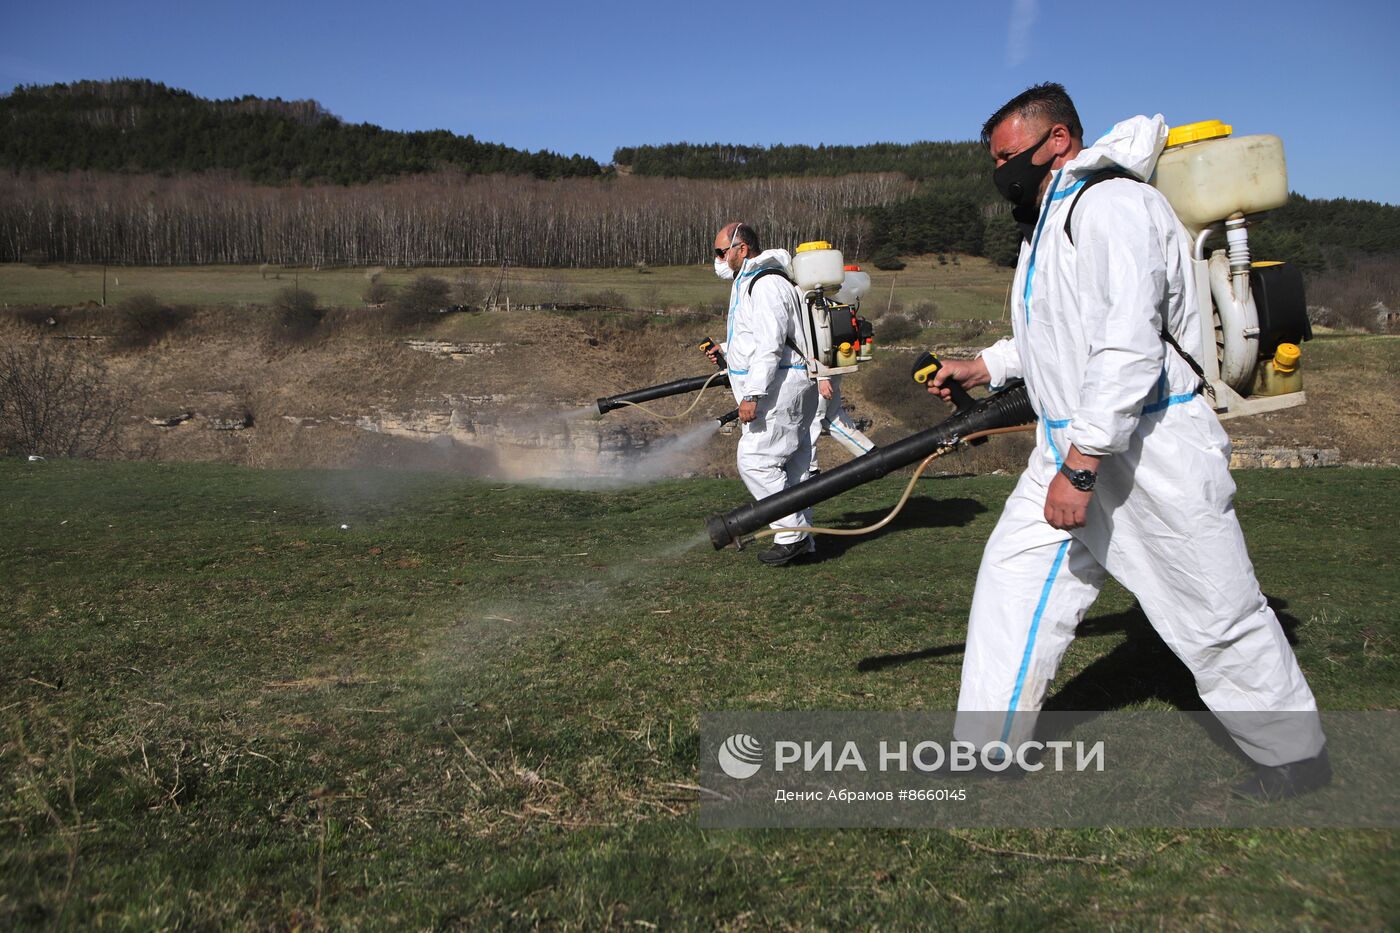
x: 1132, y: 145
x: 769, y: 259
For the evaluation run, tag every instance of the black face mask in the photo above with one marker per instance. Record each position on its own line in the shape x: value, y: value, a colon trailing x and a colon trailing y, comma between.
x: 1018, y: 179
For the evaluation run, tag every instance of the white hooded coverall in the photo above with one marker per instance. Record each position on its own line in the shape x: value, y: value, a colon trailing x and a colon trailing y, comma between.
x: 775, y: 449
x: 843, y: 429
x: 1086, y: 323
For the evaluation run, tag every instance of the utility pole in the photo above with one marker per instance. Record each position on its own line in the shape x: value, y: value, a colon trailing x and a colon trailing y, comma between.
x: 499, y: 291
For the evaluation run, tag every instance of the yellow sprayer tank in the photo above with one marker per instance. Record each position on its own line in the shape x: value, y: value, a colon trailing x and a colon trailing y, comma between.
x: 1208, y: 175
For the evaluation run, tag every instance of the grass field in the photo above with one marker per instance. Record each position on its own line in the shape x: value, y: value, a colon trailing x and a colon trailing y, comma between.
x: 970, y: 289
x: 477, y: 705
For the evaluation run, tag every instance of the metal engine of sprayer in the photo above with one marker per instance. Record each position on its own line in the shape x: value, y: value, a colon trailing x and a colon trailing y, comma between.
x: 838, y: 337
x: 1253, y: 314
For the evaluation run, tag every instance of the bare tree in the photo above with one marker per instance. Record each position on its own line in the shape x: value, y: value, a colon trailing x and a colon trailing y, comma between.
x: 420, y: 220
x: 55, y: 401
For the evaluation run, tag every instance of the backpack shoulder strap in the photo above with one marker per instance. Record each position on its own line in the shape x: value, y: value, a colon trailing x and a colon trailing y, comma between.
x: 754, y: 281
x: 1090, y: 182
x: 1166, y: 334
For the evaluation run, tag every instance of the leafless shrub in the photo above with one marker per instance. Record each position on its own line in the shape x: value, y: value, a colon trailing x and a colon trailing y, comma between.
x: 887, y: 383
x: 297, y: 313
x: 41, y: 318
x: 893, y: 328
x: 378, y: 291
x: 468, y: 291
x: 425, y: 295
x: 55, y: 401
x: 145, y: 320
x: 607, y: 298
x: 1353, y: 292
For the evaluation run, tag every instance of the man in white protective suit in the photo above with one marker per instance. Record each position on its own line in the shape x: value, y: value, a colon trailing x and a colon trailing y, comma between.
x: 1129, y: 475
x: 831, y: 414
x: 767, y: 372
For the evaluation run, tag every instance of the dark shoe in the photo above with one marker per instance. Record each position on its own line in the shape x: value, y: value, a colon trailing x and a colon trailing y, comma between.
x: 1281, y: 782
x: 780, y: 554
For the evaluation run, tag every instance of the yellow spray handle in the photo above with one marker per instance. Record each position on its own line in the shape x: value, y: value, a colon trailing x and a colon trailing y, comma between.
x: 924, y: 369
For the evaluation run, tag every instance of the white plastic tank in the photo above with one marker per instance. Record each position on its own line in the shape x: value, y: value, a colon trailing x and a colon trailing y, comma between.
x: 1208, y: 175
x: 817, y: 265
x: 854, y: 286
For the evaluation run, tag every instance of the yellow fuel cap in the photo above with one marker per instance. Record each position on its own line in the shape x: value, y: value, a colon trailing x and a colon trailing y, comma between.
x: 1195, y: 132
x: 1286, y: 357
x: 815, y: 244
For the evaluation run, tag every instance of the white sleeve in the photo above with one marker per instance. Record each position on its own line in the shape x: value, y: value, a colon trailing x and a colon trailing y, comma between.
x: 1122, y: 274
x: 768, y: 323
x: 1003, y: 361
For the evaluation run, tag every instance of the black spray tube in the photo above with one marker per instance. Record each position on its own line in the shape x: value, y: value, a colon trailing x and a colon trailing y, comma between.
x: 665, y: 390
x: 1004, y: 409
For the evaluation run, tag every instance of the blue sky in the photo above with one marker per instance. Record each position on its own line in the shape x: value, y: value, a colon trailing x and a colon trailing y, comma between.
x: 588, y: 77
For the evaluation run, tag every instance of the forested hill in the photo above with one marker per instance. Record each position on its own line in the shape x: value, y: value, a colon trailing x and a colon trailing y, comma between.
x: 964, y: 161
x: 143, y: 126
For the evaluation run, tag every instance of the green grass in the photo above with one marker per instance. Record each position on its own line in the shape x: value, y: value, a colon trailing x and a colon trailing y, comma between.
x: 475, y: 704
x: 972, y: 289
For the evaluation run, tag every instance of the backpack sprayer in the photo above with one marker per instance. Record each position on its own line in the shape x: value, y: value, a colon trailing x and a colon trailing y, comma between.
x: 838, y: 338
x: 975, y: 419
x: 1253, y: 314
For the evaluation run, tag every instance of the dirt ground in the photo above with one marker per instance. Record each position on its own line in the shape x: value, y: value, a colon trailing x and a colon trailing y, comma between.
x: 353, y: 390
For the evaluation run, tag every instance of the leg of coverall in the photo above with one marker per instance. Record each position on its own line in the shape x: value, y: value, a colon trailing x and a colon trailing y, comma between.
x: 1178, y: 547
x: 1034, y: 586
x: 816, y: 429
x: 775, y: 450
x: 843, y: 429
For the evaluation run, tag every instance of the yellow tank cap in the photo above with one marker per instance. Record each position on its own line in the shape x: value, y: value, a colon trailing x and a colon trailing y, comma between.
x: 1286, y: 357
x: 1195, y: 132
x: 1265, y: 263
x: 815, y: 244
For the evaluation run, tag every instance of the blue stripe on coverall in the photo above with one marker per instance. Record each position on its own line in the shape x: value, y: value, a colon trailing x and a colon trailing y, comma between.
x: 832, y: 426
x: 1035, y: 240
x: 1030, y: 638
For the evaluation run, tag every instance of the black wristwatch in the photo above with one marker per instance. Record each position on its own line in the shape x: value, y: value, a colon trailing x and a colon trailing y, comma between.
x: 1083, y: 480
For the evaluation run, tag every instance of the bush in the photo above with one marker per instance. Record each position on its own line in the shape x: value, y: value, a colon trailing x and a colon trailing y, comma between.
x: 608, y: 298
x: 426, y: 294
x: 144, y: 320
x: 297, y: 313
x: 1351, y: 293
x: 468, y: 291
x: 887, y: 259
x: 888, y: 384
x: 55, y: 402
x: 377, y: 292
x: 925, y: 313
x: 895, y: 327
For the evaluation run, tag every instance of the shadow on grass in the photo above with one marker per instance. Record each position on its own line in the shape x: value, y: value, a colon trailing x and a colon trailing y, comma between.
x: 1140, y: 669
x: 918, y: 512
